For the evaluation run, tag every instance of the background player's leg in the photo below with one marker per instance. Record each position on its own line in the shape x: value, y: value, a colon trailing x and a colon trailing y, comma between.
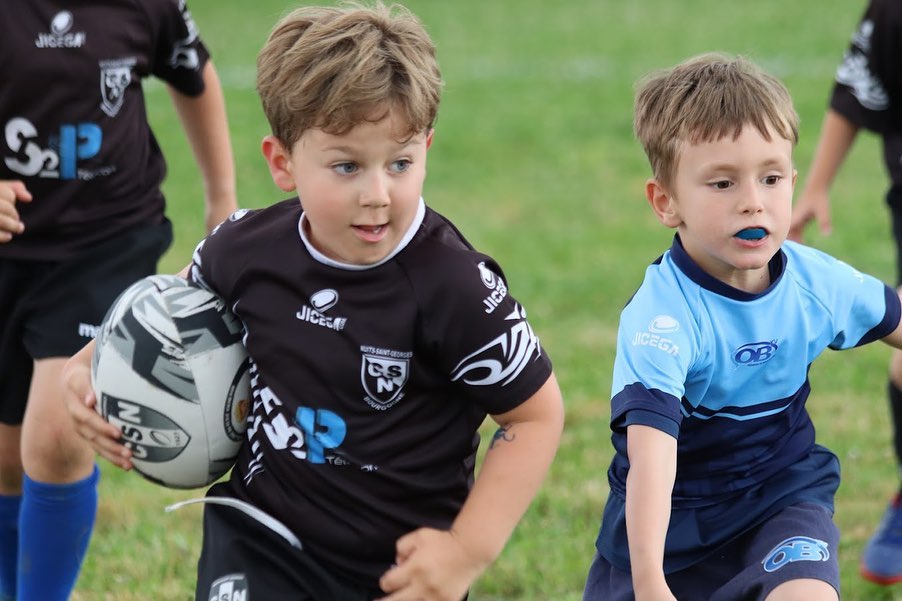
x: 10, y: 499
x: 881, y: 561
x: 59, y: 500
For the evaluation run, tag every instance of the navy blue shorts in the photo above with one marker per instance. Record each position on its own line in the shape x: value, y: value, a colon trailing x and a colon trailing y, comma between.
x: 53, y: 308
x: 799, y: 542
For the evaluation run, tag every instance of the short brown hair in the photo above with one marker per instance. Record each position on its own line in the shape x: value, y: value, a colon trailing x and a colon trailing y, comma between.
x: 704, y: 99
x: 331, y: 68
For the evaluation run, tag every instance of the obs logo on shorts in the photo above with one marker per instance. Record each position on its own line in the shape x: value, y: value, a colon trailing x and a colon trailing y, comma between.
x: 797, y: 548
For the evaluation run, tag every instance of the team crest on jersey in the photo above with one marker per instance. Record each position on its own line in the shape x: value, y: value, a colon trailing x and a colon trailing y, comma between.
x: 230, y: 588
x: 383, y: 374
x: 115, y: 75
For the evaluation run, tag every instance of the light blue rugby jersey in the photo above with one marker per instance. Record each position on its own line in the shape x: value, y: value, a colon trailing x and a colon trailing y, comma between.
x: 726, y: 373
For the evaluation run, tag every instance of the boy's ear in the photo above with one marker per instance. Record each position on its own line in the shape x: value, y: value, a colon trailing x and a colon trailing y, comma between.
x: 279, y: 161
x: 662, y: 203
x: 429, y: 138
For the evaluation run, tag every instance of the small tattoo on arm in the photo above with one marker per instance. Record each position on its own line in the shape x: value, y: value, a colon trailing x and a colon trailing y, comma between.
x: 502, y: 433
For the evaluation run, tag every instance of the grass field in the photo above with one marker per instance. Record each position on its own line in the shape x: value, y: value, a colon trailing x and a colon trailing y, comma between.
x: 534, y: 159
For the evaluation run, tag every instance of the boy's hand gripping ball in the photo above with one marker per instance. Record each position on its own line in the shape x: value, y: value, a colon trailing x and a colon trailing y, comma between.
x: 169, y: 368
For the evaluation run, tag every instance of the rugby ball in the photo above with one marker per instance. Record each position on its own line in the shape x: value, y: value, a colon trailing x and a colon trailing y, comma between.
x: 170, y: 370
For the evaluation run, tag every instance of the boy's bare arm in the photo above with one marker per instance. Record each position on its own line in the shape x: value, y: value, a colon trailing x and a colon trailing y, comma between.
x: 649, y: 485
x: 433, y: 564
x: 204, y: 119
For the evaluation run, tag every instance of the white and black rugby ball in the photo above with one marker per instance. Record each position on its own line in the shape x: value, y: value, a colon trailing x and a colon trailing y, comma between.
x: 169, y: 368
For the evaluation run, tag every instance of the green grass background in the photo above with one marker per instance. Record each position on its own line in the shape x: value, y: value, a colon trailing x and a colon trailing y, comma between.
x: 534, y: 159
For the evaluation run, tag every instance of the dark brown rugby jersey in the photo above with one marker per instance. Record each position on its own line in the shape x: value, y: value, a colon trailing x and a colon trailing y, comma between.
x: 369, y: 384
x: 868, y: 82
x: 72, y: 110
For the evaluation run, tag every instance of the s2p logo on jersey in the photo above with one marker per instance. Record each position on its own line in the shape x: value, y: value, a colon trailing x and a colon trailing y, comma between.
x: 73, y: 143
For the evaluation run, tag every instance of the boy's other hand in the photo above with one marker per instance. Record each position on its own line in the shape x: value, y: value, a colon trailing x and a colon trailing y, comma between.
x: 431, y: 565
x: 90, y: 425
x: 11, y: 191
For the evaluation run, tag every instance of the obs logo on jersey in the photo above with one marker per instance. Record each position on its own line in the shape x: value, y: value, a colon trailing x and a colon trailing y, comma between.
x: 502, y: 359
x: 493, y: 283
x: 71, y: 145
x: 383, y: 374
x: 797, y: 548
x: 115, y: 75
x: 755, y: 353
x: 59, y: 36
x: 230, y: 588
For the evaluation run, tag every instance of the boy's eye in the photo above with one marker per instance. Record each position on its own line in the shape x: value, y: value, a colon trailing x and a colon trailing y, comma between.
x: 400, y: 166
x: 772, y: 180
x: 721, y: 184
x: 344, y: 168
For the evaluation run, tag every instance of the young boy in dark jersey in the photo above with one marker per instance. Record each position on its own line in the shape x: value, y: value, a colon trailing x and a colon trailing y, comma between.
x: 867, y: 94
x: 81, y: 217
x: 379, y: 338
x: 718, y: 490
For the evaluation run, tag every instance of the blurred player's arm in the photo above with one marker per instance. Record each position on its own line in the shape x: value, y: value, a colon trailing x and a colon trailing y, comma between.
x: 837, y: 136
x: 435, y: 564
x: 649, y: 485
x: 204, y: 119
x: 11, y: 191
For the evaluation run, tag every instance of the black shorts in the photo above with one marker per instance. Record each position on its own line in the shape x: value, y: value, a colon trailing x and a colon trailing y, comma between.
x: 242, y: 558
x: 53, y: 308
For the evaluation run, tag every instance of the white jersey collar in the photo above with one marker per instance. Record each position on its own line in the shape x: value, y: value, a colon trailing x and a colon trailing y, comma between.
x: 411, y: 232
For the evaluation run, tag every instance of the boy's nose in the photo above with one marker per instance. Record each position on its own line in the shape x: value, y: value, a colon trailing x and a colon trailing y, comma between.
x: 375, y: 192
x: 752, y: 200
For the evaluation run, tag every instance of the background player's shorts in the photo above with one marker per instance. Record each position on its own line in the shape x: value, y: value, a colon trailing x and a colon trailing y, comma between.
x: 799, y: 542
x: 53, y: 308
x: 242, y: 556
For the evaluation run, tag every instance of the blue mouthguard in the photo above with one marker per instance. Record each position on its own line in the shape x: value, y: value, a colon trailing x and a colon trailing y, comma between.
x: 752, y: 233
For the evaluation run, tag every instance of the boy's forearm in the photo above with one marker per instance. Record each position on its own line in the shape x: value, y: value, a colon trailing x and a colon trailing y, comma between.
x: 204, y: 119
x: 514, y: 467
x: 649, y: 486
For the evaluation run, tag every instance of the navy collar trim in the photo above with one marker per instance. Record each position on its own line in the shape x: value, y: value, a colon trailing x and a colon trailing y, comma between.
x: 776, y: 267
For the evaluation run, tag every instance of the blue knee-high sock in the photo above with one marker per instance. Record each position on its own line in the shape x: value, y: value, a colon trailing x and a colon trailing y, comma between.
x: 9, y: 545
x: 55, y: 527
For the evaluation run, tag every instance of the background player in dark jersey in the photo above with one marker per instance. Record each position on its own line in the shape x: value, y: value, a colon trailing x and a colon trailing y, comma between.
x: 867, y: 94
x: 718, y: 489
x: 81, y: 217
x: 380, y: 340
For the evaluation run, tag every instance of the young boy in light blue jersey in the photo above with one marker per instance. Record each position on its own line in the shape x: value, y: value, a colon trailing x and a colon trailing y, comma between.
x: 718, y: 490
